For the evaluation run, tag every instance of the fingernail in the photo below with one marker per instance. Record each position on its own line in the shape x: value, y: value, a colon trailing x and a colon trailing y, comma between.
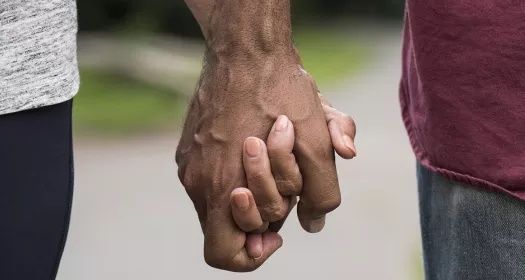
x: 316, y: 226
x: 260, y: 256
x: 282, y: 124
x: 349, y: 144
x: 241, y: 201
x: 253, y: 147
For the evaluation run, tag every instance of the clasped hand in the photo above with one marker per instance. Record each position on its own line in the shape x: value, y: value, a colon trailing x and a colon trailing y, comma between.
x: 257, y: 135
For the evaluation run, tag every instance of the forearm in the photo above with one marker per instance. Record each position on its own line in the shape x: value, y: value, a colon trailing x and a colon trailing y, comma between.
x: 251, y: 27
x: 249, y: 51
x: 237, y: 27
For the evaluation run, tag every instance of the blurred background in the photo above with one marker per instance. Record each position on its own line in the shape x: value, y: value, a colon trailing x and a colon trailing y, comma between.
x: 140, y: 61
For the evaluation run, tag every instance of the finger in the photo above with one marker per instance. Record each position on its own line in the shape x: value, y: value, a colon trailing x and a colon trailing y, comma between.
x: 270, y: 203
x: 245, y: 212
x: 254, y: 245
x: 276, y: 226
x: 225, y: 245
x: 315, y: 156
x: 257, y: 244
x: 284, y: 167
x: 342, y: 132
x: 323, y: 100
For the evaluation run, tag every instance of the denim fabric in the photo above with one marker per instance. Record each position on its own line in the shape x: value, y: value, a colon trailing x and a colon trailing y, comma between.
x: 470, y: 233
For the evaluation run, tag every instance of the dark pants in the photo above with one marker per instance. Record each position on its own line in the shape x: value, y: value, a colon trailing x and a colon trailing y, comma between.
x: 36, y: 187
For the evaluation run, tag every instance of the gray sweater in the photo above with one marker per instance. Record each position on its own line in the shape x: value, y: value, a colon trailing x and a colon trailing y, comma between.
x: 38, y: 63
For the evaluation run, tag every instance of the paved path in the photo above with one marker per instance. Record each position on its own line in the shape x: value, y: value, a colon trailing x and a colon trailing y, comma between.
x: 132, y: 220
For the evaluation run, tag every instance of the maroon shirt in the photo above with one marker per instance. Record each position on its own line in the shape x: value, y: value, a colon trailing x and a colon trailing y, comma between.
x: 463, y: 90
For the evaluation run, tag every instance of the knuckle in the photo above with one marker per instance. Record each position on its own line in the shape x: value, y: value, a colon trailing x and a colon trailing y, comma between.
x: 331, y: 115
x: 181, y: 154
x: 327, y: 206
x: 297, y: 180
x: 256, y: 176
x: 215, y: 260
x: 285, y: 187
x: 216, y: 257
x: 273, y: 212
x: 289, y: 187
x: 287, y: 176
x: 186, y: 179
x: 297, y: 186
x: 349, y: 121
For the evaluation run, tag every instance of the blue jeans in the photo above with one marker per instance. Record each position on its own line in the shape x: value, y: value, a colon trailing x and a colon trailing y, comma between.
x: 470, y: 233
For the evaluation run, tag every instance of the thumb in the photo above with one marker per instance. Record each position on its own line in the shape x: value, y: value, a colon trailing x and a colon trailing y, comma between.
x: 224, y: 244
x: 267, y: 243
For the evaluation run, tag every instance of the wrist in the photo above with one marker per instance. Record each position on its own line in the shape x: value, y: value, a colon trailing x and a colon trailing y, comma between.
x: 251, y: 29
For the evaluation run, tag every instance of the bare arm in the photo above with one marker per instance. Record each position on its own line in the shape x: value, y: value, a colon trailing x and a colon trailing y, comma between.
x: 253, y: 76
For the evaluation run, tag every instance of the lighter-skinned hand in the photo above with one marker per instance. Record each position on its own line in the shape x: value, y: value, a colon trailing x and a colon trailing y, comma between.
x: 275, y: 157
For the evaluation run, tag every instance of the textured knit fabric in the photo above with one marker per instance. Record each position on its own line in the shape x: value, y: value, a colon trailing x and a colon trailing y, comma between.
x: 38, y: 64
x: 463, y: 90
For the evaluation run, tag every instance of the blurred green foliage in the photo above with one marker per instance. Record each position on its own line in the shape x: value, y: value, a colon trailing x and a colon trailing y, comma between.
x: 328, y: 55
x: 174, y: 17
x: 112, y: 104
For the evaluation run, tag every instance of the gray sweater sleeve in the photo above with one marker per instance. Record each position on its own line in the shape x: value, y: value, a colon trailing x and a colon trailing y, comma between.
x: 38, y: 62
